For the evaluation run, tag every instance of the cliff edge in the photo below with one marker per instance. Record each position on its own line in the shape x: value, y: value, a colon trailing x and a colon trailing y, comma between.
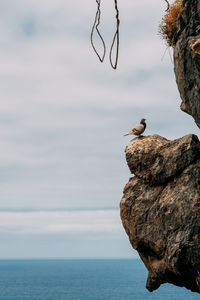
x: 187, y: 57
x: 160, y: 208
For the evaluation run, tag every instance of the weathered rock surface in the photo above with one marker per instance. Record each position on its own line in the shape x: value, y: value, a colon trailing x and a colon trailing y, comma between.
x: 160, y: 208
x: 187, y: 57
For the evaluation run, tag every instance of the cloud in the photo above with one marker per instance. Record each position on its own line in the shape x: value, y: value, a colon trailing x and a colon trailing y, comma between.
x: 70, y: 234
x: 87, y: 222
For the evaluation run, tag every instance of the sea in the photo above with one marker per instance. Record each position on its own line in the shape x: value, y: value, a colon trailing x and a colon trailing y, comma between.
x: 81, y: 279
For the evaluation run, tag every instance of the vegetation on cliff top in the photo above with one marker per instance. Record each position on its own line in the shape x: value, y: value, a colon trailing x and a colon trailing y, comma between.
x: 167, y: 28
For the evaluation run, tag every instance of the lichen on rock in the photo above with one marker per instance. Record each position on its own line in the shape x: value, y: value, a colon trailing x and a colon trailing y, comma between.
x: 160, y: 208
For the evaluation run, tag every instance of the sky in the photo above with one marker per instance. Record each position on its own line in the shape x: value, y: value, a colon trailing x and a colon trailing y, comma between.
x: 62, y: 119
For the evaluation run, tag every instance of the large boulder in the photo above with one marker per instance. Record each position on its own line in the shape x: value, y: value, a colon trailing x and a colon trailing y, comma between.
x: 160, y: 208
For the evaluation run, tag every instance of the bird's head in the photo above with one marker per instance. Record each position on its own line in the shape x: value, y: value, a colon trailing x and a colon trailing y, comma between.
x: 142, y: 121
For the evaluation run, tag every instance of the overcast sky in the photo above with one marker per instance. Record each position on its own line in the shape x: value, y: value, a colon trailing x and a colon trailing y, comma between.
x: 62, y: 118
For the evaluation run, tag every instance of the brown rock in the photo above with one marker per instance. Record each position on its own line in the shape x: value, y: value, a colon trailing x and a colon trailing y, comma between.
x: 187, y: 58
x: 156, y: 159
x: 160, y: 208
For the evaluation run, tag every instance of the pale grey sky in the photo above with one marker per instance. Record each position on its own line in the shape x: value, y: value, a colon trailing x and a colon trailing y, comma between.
x: 62, y: 119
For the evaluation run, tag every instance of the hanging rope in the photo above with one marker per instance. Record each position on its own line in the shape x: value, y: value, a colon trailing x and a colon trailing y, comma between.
x: 115, y: 39
x: 95, y: 26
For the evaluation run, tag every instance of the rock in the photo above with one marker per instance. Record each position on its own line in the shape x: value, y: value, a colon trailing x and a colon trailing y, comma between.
x: 160, y: 208
x: 187, y: 58
x: 156, y: 159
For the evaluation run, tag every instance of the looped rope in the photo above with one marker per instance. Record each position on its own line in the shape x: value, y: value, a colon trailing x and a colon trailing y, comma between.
x: 95, y: 25
x: 115, y: 38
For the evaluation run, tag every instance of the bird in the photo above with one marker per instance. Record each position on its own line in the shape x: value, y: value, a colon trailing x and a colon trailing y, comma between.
x: 138, y: 129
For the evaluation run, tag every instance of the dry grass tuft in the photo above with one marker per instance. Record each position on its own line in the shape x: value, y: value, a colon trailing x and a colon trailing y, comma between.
x: 167, y: 28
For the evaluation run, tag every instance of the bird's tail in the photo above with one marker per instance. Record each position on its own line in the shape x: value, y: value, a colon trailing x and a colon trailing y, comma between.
x: 127, y: 133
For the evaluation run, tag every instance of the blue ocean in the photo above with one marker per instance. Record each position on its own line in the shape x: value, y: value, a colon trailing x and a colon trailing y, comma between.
x: 86, y: 279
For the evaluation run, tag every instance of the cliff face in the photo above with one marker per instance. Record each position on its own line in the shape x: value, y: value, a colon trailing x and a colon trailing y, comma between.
x: 160, y: 208
x: 187, y: 57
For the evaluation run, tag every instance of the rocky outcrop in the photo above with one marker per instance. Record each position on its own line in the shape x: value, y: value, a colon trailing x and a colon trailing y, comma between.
x: 187, y: 57
x: 160, y: 208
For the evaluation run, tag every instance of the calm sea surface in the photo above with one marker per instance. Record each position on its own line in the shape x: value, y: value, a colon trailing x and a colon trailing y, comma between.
x: 81, y: 280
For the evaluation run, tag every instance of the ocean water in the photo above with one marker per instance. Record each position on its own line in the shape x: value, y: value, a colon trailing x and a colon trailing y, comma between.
x: 115, y: 279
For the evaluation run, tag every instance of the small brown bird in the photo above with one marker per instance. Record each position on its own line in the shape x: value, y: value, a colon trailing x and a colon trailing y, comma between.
x: 138, y: 129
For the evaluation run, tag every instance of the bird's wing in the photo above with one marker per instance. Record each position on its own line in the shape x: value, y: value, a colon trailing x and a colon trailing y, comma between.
x: 138, y: 128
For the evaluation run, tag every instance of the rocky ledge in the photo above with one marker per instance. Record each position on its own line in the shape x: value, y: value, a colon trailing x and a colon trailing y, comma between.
x: 160, y: 208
